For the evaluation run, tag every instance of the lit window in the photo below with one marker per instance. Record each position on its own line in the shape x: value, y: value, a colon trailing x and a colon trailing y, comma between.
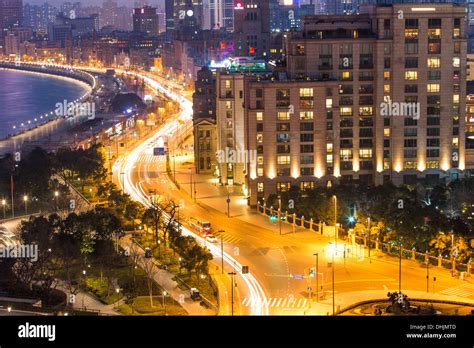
x: 259, y: 160
x: 386, y: 164
x: 411, y: 75
x: 228, y: 84
x: 283, y: 159
x: 228, y: 105
x: 328, y: 103
x: 306, y: 92
x: 456, y: 142
x: 456, y: 98
x: 346, y: 154
x: 328, y: 147
x: 260, y: 187
x: 259, y: 138
x: 432, y: 164
x: 386, y: 132
x: 259, y: 171
x: 365, y: 153
x: 346, y: 75
x: 432, y: 88
x: 434, y: 62
x: 386, y: 75
x: 456, y: 62
x: 259, y: 116
x: 346, y: 111
x: 365, y: 111
x: 329, y: 158
x: 410, y: 165
x: 283, y: 115
x: 411, y: 33
x: 386, y: 88
x: 306, y: 115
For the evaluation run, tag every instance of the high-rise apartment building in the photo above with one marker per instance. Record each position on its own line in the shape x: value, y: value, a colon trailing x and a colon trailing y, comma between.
x: 145, y: 20
x: 204, y: 122
x: 374, y: 97
x: 252, y: 28
x: 11, y: 13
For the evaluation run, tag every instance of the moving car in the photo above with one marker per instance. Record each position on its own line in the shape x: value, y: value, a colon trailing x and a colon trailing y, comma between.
x: 211, y: 238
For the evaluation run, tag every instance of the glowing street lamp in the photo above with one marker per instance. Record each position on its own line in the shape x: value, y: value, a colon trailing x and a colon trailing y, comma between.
x: 4, y: 203
x: 25, y: 199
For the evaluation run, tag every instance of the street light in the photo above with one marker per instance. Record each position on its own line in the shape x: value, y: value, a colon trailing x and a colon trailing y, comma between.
x: 317, y: 276
x: 333, y: 260
x: 117, y: 290
x: 25, y: 199
x: 56, y: 195
x: 222, y: 252
x: 427, y: 272
x: 4, y: 203
x: 164, y: 303
x: 453, y: 264
x: 232, y: 274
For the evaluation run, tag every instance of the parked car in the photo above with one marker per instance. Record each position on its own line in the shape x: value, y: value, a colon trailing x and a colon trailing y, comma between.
x: 195, y: 294
x: 148, y: 253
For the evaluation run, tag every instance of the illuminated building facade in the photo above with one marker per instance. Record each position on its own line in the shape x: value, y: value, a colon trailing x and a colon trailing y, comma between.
x: 343, y: 110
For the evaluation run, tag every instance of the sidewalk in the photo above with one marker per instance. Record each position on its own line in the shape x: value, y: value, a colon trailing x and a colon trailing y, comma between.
x: 209, y: 193
x: 348, y: 299
x: 84, y: 301
x: 165, y: 280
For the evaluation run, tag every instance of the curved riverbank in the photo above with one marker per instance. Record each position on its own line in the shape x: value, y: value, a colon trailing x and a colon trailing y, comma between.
x: 84, y: 80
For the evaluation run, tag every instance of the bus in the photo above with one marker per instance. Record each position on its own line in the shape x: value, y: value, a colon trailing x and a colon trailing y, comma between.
x: 200, y: 225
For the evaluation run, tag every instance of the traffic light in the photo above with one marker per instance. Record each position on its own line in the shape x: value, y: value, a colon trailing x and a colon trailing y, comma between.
x: 312, y: 272
x: 273, y: 218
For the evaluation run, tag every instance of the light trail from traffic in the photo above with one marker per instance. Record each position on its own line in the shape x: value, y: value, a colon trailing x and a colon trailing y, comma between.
x: 136, y: 192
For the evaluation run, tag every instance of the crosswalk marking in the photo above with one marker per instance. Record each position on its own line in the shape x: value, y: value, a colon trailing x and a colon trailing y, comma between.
x: 276, y: 302
x: 465, y: 290
x: 229, y: 238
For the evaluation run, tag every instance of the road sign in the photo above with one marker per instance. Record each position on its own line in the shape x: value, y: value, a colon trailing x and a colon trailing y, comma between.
x: 228, y: 200
x: 298, y: 276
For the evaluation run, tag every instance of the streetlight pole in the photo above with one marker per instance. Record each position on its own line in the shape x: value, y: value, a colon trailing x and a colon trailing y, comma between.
x: 333, y: 259
x: 452, y: 254
x: 25, y: 199
x: 400, y: 270
x: 368, y: 230
x: 228, y: 203
x: 222, y: 251
x: 427, y: 272
x: 232, y: 274
x: 164, y: 303
x: 317, y: 276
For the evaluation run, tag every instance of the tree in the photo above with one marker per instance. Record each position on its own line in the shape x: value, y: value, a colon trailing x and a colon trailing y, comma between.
x: 152, y: 217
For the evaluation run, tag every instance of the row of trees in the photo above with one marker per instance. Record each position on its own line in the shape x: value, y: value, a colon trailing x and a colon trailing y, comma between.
x: 193, y: 256
x: 65, y: 246
x: 422, y: 216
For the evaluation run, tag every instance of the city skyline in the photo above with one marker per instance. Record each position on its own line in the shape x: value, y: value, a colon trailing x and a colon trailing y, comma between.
x: 215, y: 158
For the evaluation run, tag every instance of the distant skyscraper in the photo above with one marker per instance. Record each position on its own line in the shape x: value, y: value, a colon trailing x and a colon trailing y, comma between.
x: 11, y: 13
x: 169, y: 14
x: 252, y: 28
x: 145, y: 20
